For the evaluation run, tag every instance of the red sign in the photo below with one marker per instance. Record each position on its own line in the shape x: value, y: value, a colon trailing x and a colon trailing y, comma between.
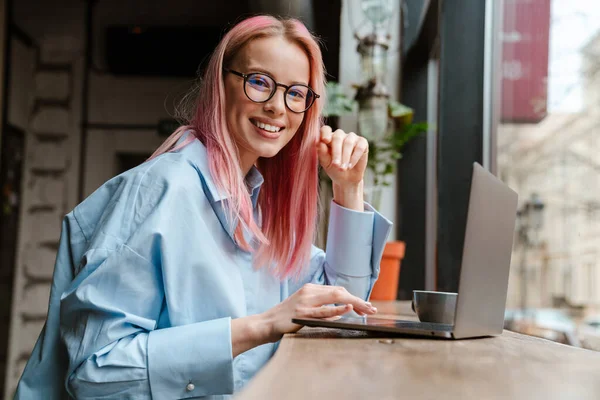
x: 525, y: 40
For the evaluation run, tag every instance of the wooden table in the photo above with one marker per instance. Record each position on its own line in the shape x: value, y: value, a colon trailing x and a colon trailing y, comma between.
x: 319, y: 363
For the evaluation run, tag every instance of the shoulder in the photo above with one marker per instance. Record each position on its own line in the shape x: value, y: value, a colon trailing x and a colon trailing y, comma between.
x: 183, y: 169
x: 161, y: 185
x: 170, y: 179
x: 168, y: 172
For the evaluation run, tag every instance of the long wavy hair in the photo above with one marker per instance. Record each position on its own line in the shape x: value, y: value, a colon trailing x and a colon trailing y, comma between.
x: 288, y: 200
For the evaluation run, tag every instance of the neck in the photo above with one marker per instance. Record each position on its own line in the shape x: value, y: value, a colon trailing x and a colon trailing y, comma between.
x: 247, y: 161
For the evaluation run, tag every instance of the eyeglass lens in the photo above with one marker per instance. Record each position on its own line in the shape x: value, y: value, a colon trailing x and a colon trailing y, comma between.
x: 260, y: 88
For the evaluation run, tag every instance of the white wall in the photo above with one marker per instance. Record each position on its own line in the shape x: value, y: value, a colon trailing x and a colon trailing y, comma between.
x: 350, y: 74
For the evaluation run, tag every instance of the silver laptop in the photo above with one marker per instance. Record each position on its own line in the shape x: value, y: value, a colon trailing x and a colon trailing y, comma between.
x: 484, y: 270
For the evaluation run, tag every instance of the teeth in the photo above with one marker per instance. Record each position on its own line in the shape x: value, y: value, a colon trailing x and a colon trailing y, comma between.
x: 266, y: 127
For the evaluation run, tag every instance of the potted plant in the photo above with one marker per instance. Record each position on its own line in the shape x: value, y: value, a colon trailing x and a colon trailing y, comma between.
x: 384, y: 153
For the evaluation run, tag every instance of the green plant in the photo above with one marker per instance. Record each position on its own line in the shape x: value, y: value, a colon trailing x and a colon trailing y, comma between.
x: 337, y: 102
x: 383, y: 155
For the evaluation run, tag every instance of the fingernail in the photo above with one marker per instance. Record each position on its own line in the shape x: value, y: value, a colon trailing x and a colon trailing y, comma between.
x: 368, y: 303
x: 344, y: 166
x: 336, y: 162
x: 350, y: 165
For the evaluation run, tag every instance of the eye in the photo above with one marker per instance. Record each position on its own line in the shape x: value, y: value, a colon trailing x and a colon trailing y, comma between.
x: 259, y: 82
x: 297, y: 92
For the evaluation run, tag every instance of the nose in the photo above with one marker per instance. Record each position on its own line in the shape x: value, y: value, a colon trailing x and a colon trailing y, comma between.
x: 276, y: 104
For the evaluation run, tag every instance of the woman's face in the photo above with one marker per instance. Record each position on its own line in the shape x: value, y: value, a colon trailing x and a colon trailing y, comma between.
x: 287, y: 64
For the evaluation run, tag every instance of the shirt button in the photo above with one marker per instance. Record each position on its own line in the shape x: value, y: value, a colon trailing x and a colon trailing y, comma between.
x: 190, y: 387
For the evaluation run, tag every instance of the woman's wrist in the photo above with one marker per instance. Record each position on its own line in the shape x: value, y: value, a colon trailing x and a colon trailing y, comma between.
x: 266, y: 327
x: 349, y: 196
x: 249, y: 332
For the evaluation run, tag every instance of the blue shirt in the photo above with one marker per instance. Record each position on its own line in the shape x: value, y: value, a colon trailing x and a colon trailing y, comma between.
x: 148, y: 278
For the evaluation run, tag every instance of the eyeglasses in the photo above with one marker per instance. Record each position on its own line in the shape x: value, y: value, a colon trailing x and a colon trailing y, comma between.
x: 260, y: 88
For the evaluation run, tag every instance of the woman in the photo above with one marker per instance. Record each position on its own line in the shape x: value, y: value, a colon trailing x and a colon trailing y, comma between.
x: 177, y: 278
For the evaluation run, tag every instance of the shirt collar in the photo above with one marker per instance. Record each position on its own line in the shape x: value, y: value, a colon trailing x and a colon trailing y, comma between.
x: 198, y: 155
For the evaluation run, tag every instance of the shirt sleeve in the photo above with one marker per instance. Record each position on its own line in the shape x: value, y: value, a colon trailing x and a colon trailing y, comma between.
x: 355, y: 242
x: 109, y: 318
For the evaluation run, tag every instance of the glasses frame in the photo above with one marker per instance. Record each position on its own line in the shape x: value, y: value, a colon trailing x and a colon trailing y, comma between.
x: 277, y: 84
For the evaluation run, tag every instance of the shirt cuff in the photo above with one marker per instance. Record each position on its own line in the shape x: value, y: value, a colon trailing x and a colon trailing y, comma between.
x: 381, y: 231
x: 191, y: 360
x: 355, y: 240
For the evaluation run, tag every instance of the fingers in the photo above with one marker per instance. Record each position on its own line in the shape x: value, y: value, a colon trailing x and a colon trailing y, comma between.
x: 361, y: 149
x: 337, y: 141
x: 339, y: 295
x: 324, y: 155
x: 348, y: 148
x: 334, y: 141
x: 339, y: 149
x: 326, y: 134
x: 330, y: 311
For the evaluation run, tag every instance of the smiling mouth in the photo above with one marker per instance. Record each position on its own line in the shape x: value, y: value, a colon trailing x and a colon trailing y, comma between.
x: 266, y: 127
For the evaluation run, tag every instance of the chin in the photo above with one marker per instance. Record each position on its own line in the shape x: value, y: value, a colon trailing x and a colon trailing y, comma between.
x: 267, y: 151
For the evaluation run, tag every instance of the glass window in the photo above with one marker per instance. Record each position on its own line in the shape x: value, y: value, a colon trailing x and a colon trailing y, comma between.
x: 548, y: 147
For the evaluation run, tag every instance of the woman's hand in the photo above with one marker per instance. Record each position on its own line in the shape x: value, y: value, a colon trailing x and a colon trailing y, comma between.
x: 311, y: 301
x: 344, y: 158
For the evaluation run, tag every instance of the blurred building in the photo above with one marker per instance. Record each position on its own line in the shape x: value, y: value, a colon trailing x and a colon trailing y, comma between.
x: 557, y: 158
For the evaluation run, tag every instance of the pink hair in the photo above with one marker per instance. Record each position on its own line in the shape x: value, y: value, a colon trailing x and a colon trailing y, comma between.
x: 288, y: 199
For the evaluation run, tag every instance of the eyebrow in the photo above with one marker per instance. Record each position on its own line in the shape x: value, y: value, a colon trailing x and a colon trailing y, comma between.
x: 264, y: 71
